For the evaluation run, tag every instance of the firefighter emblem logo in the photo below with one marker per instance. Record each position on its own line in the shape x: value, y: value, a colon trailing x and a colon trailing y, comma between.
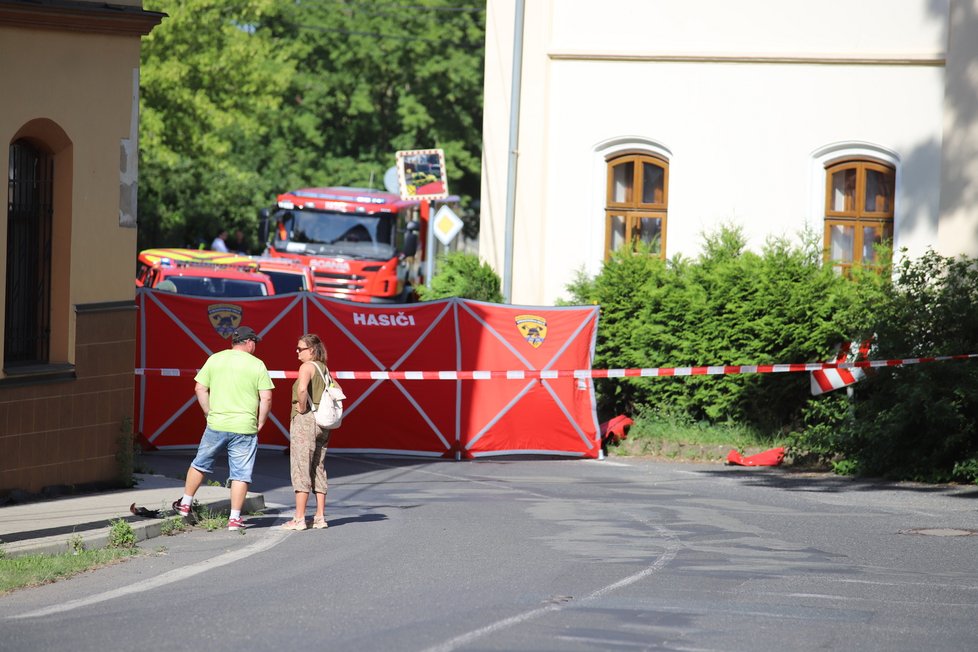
x: 224, y: 317
x: 533, y: 328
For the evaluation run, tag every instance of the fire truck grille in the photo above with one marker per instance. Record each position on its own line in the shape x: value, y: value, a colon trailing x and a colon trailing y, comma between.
x: 331, y: 281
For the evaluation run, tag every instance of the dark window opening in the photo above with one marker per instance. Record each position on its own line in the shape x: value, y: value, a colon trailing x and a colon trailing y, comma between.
x: 27, y: 324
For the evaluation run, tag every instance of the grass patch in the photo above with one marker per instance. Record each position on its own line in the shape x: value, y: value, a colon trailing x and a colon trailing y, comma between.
x: 209, y: 520
x: 202, y: 517
x: 173, y: 525
x: 35, y: 570
x: 683, y: 440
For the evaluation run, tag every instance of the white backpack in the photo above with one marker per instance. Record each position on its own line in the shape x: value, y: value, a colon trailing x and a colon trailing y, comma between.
x: 329, y: 414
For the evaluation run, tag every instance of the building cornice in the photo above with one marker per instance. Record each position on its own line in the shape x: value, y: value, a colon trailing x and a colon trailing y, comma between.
x: 65, y: 15
x: 934, y: 59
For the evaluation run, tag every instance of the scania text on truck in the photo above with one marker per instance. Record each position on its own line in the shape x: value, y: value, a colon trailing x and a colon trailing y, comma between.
x: 362, y: 245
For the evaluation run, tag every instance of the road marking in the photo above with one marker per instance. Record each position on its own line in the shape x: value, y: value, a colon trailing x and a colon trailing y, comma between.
x: 605, y: 462
x: 272, y: 538
x: 672, y: 548
x: 505, y: 623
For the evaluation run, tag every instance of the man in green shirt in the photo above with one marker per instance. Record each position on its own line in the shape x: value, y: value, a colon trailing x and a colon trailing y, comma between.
x: 235, y: 392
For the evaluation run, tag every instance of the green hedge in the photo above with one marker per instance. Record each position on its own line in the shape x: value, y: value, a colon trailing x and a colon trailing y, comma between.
x: 729, y: 306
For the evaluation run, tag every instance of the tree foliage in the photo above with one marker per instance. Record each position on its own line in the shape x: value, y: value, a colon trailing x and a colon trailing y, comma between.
x: 211, y: 91
x: 463, y: 275
x: 244, y: 99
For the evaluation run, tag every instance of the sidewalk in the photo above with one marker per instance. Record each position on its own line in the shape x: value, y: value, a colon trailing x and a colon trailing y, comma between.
x: 46, y: 527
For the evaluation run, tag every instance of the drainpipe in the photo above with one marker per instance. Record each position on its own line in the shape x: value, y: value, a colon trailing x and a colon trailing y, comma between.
x: 514, y: 137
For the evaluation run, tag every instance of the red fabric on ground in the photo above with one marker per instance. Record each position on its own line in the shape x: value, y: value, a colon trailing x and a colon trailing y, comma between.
x: 772, y: 457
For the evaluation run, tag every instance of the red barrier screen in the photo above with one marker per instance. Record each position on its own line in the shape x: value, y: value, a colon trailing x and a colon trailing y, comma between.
x: 440, y: 415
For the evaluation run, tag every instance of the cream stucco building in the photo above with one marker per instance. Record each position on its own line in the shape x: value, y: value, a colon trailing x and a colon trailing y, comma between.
x: 68, y: 126
x: 662, y: 120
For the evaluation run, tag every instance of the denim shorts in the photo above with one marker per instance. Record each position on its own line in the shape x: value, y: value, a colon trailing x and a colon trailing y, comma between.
x: 241, y: 453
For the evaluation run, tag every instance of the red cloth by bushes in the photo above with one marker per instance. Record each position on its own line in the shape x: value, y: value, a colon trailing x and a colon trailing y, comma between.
x: 614, y: 430
x: 772, y: 457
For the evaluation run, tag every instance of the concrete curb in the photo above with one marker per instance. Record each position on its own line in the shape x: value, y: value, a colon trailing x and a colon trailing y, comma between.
x: 93, y: 539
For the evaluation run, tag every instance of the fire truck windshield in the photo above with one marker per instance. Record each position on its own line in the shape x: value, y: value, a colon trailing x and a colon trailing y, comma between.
x: 354, y: 235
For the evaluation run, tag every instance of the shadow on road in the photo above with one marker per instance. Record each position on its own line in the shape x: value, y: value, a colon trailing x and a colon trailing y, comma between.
x: 788, y: 480
x: 272, y: 472
x: 363, y: 518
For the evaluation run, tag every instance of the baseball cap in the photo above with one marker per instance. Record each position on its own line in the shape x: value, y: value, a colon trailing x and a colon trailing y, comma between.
x: 244, y: 333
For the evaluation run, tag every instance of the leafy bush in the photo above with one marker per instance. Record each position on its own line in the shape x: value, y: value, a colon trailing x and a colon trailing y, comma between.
x: 921, y: 421
x: 826, y: 419
x: 121, y: 534
x: 76, y: 544
x: 730, y: 306
x: 463, y: 275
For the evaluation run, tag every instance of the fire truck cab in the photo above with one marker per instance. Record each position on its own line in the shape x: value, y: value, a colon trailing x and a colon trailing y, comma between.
x: 362, y: 245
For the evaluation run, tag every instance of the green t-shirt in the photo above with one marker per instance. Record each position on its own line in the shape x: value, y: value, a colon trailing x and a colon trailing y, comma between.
x: 234, y: 379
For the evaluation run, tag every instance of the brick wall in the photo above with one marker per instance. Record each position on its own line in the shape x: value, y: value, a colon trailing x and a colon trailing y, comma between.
x: 63, y: 428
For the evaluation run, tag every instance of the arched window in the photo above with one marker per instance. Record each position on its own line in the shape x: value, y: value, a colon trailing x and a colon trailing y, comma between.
x: 27, y: 327
x: 637, y: 202
x: 858, y: 211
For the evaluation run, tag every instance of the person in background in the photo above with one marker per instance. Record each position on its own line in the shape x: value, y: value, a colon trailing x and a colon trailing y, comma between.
x: 220, y: 242
x: 239, y: 244
x: 234, y: 390
x: 307, y: 450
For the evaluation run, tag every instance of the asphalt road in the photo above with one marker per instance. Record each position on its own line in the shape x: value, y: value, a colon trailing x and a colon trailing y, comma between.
x: 508, y: 554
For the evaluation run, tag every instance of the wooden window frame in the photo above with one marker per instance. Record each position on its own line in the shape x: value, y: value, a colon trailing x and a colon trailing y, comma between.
x: 858, y: 217
x: 634, y: 209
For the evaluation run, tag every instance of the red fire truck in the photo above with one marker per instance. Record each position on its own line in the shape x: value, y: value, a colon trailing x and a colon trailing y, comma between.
x: 362, y: 245
x: 202, y: 273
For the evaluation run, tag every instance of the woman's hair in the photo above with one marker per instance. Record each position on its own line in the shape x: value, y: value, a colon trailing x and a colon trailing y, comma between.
x: 316, y: 345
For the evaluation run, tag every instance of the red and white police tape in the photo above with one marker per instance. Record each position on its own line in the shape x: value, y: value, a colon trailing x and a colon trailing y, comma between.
x: 827, y: 380
x: 545, y: 374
